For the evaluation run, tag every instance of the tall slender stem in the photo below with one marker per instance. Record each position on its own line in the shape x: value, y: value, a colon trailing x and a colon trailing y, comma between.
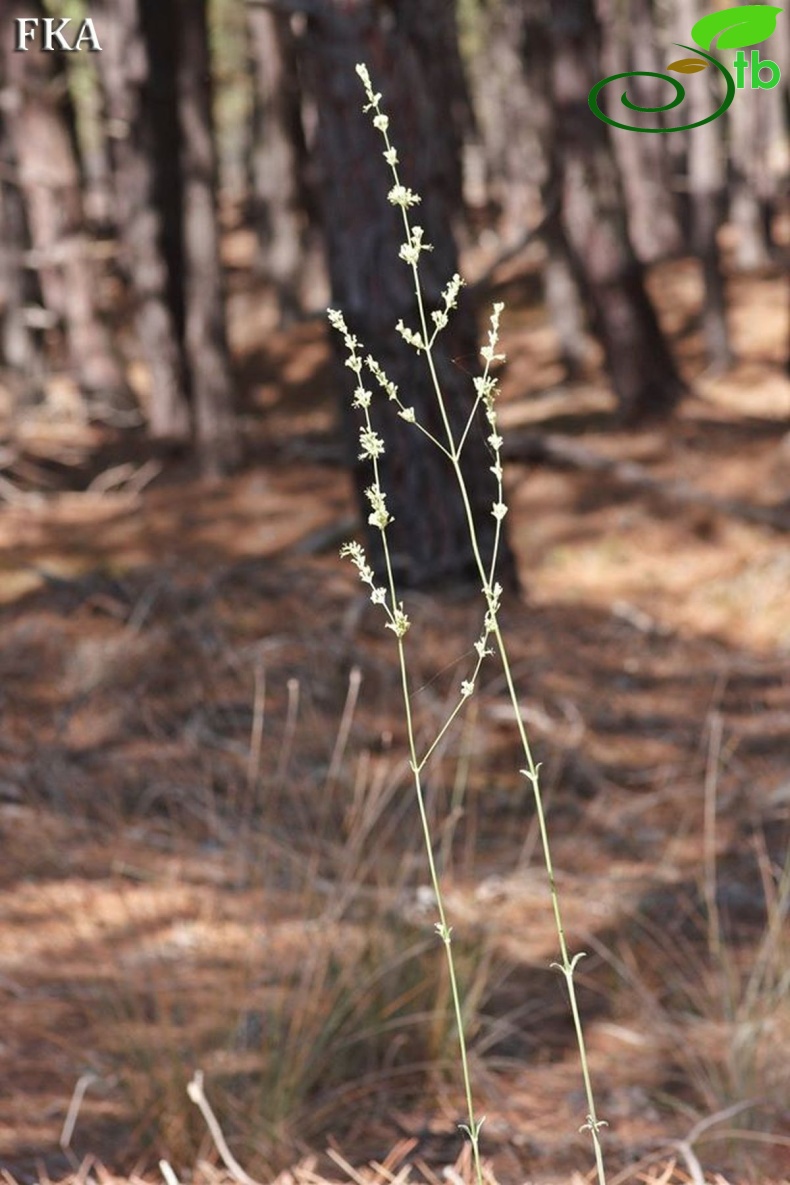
x: 372, y: 447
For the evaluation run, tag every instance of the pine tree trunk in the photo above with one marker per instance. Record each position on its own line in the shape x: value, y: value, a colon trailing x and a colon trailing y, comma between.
x: 706, y: 185
x: 561, y: 289
x: 41, y: 134
x: 631, y: 43
x: 431, y: 29
x: 561, y: 293
x: 373, y: 288
x: 278, y: 156
x: 510, y: 124
x: 644, y: 376
x: 756, y: 138
x: 21, y: 356
x: 206, y: 347
x: 139, y: 119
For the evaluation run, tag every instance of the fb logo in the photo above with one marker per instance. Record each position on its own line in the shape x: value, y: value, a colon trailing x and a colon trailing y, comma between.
x: 735, y: 28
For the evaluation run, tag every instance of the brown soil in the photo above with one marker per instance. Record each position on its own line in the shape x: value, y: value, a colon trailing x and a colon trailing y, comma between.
x: 179, y: 839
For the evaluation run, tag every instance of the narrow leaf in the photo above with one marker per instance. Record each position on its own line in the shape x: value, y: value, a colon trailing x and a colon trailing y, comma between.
x: 688, y: 65
x: 748, y: 24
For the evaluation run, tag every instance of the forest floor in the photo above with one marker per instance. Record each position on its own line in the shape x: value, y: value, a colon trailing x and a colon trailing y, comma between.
x: 210, y: 853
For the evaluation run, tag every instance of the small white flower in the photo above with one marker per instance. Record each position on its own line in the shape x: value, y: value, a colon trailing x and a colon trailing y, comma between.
x: 337, y: 320
x: 450, y: 294
x: 410, y: 250
x: 390, y: 388
x: 356, y: 553
x: 373, y: 98
x: 399, y: 195
x: 410, y: 336
x: 408, y: 254
x: 371, y: 443
x: 400, y: 622
x: 380, y: 516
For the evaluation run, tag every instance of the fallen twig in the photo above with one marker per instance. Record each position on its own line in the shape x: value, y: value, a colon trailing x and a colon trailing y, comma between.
x: 195, y: 1092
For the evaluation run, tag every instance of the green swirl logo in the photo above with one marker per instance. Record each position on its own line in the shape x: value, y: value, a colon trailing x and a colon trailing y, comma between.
x: 733, y: 28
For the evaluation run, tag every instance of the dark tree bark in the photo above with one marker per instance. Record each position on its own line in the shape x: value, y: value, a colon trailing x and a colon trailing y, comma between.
x: 530, y: 41
x: 205, y: 341
x: 278, y: 191
x: 21, y: 356
x: 515, y: 122
x: 707, y: 204
x: 431, y: 28
x: 561, y: 293
x: 707, y: 201
x: 373, y: 287
x: 630, y: 43
x: 157, y: 79
x: 759, y: 127
x: 644, y: 376
x: 515, y: 164
x: 756, y: 134
x: 40, y: 128
x: 142, y: 118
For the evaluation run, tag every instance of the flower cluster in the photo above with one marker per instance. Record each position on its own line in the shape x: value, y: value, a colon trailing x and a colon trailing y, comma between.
x: 411, y: 250
x: 372, y: 448
x: 409, y: 335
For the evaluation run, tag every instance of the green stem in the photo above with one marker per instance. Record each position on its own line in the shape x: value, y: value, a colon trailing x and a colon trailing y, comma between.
x: 567, y: 965
x: 491, y: 593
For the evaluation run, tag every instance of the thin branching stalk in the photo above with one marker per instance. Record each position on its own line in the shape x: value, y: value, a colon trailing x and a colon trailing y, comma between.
x: 372, y: 448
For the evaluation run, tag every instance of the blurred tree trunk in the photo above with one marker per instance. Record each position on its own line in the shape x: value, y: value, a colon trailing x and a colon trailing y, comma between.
x: 157, y: 79
x: 278, y: 155
x: 561, y: 293
x: 373, y: 286
x: 431, y: 29
x: 510, y: 129
x: 631, y: 42
x: 516, y: 124
x: 143, y: 132
x: 560, y: 287
x: 20, y: 347
x: 750, y: 192
x: 707, y: 204
x: 707, y: 199
x: 205, y: 340
x: 760, y: 124
x: 40, y: 125
x: 644, y: 376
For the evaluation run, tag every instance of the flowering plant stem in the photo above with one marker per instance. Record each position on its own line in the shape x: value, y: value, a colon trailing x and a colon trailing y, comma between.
x: 372, y: 448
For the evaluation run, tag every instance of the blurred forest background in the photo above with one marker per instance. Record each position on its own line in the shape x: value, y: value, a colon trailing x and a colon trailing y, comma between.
x: 123, y: 170
x: 209, y: 854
